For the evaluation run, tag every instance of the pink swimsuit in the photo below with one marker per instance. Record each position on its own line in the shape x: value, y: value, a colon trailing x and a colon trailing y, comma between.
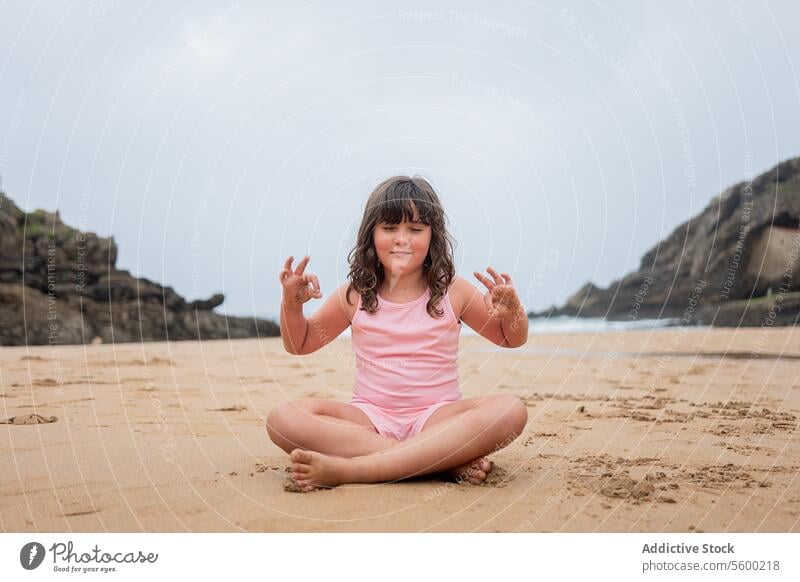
x: 406, y: 363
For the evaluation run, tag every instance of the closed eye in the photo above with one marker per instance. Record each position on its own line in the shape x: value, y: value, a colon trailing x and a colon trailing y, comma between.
x: 393, y: 227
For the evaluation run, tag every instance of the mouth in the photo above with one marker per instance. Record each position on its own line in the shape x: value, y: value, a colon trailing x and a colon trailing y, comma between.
x: 400, y: 253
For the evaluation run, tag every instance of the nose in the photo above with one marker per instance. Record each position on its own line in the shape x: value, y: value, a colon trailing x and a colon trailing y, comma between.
x: 401, y: 237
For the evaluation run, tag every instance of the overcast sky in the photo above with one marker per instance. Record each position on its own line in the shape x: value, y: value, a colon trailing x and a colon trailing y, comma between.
x: 213, y: 139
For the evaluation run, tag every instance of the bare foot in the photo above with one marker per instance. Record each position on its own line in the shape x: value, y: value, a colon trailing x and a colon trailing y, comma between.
x: 312, y: 470
x: 474, y: 472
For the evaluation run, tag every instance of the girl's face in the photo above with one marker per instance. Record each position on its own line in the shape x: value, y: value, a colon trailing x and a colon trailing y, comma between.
x: 402, y: 248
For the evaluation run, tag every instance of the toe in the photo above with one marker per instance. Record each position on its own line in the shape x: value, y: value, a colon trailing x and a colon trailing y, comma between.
x: 304, y: 483
x: 481, y: 464
x: 473, y: 476
x: 300, y: 456
x: 479, y: 476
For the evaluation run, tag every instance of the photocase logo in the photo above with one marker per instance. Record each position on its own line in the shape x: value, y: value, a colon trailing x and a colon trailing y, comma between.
x: 31, y: 555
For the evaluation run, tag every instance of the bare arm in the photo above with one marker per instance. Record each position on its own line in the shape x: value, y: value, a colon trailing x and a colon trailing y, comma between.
x: 294, y: 327
x: 515, y: 328
x: 298, y: 287
x: 497, y: 315
x: 476, y: 315
x: 304, y: 336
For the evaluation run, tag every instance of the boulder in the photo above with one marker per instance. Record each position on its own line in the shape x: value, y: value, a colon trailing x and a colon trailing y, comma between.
x: 59, y: 285
x: 735, y: 263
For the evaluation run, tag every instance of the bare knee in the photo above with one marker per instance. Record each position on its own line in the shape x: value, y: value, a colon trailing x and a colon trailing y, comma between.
x: 516, y: 414
x: 286, y: 418
x: 510, y: 416
x: 276, y: 423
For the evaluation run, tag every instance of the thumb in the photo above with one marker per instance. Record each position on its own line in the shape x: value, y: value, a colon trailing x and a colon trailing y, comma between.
x: 487, y: 300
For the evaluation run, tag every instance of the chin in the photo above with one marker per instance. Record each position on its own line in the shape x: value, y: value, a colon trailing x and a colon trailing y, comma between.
x: 401, y: 269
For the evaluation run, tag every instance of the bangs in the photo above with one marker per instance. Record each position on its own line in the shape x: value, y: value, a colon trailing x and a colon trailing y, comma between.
x: 405, y: 202
x: 395, y: 200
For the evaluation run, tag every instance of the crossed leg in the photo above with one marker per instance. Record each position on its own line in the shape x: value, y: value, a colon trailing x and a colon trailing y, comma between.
x: 343, y: 447
x: 325, y: 426
x: 339, y: 429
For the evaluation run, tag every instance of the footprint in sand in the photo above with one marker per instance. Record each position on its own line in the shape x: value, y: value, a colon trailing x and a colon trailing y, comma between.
x: 30, y: 419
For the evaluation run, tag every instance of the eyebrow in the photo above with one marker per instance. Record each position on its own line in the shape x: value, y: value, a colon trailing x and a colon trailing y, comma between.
x: 409, y: 221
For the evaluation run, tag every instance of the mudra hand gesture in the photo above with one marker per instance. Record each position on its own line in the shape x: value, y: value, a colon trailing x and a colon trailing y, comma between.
x: 298, y: 286
x: 501, y: 298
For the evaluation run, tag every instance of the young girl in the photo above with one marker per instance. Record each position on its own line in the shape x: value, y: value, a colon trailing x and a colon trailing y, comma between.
x: 405, y: 305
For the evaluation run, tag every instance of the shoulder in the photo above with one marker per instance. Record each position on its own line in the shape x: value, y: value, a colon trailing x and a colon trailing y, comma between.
x: 348, y: 301
x: 460, y: 291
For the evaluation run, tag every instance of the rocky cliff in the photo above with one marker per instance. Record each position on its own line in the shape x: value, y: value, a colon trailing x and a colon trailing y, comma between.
x: 736, y: 263
x: 59, y: 285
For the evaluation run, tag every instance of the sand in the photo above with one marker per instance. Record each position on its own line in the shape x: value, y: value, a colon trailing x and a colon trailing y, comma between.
x: 628, y: 431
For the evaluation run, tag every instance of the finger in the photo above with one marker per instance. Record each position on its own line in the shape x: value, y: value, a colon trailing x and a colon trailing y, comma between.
x: 483, y: 279
x: 300, y: 286
x: 487, y: 300
x: 301, y: 266
x: 497, y: 278
x: 315, y: 286
x: 288, y: 264
x: 507, y: 277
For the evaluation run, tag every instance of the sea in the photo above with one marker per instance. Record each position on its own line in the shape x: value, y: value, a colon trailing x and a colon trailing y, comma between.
x: 569, y: 324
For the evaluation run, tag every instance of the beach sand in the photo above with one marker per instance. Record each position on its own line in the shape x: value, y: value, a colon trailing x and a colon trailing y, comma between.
x: 628, y: 431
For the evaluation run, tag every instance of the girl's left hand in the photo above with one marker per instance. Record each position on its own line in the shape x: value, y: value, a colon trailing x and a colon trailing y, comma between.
x: 501, y: 298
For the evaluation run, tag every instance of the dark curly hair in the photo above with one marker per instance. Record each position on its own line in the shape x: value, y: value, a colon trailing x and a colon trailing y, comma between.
x: 394, y: 200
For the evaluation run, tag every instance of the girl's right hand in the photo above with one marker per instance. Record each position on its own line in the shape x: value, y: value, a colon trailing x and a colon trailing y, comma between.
x: 298, y: 286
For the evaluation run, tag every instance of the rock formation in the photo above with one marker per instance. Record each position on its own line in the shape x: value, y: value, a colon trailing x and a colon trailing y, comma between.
x: 59, y: 285
x: 736, y: 263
